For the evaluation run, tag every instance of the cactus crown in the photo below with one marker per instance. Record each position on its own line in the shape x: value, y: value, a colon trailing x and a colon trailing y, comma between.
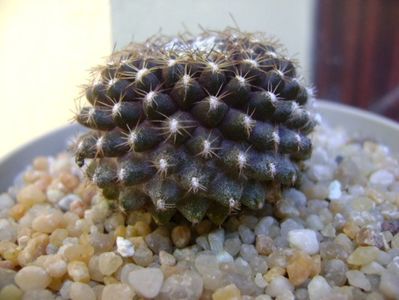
x: 200, y: 125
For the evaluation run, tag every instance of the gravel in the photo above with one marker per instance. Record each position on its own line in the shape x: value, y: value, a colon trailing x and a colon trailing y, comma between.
x: 335, y: 237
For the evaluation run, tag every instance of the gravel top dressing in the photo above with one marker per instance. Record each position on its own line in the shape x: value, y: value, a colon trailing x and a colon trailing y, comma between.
x: 336, y: 237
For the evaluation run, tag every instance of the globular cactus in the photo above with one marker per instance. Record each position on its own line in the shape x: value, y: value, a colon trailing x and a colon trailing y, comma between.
x: 201, y: 125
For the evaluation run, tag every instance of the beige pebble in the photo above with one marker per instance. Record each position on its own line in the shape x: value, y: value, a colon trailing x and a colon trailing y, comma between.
x: 18, y: 211
x: 69, y: 180
x: 102, y: 242
x: 31, y: 278
x: 38, y: 295
x: 166, y: 258
x: 299, y: 268
x: 78, y: 207
x: 78, y: 271
x: 146, y: 282
x: 181, y: 236
x: 94, y: 269
x: 10, y: 292
x: 274, y: 272
x: 363, y: 255
x: 109, y: 262
x: 264, y: 244
x: 40, y: 163
x: 43, y: 182
x: 138, y: 215
x: 47, y: 223
x: 57, y: 236
x: 203, y: 227
x: 229, y: 292
x: 31, y: 176
x: 36, y: 246
x: 78, y: 252
x: 7, y: 264
x: 98, y: 290
x: 81, y: 291
x: 55, y: 266
x: 119, y: 291
x: 140, y: 228
x: 30, y: 195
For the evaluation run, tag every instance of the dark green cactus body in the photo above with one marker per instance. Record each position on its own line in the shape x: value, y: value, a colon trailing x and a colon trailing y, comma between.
x: 202, y: 127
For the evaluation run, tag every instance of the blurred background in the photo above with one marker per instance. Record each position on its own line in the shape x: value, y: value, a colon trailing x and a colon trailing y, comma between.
x: 349, y: 50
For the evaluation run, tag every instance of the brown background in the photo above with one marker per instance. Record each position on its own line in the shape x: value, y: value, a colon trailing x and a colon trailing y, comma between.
x: 356, y: 52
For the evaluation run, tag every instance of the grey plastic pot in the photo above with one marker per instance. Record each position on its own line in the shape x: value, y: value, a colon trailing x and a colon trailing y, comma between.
x: 354, y: 120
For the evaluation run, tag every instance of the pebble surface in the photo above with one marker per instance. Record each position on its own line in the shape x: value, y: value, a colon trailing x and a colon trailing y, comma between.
x: 335, y: 237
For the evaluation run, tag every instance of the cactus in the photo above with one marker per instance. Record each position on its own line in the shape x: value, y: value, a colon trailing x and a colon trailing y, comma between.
x: 200, y: 126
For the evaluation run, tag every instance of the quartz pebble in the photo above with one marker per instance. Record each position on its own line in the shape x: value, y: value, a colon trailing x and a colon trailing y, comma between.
x: 187, y: 285
x: 358, y: 279
x: 119, y: 291
x: 166, y: 258
x: 65, y: 202
x: 299, y: 268
x: 109, y: 262
x: 30, y: 195
x: 159, y: 240
x: 278, y: 285
x: 334, y: 272
x: 81, y: 291
x: 49, y: 222
x: 229, y: 292
x: 124, y: 247
x: 363, y: 255
x: 318, y: 288
x: 10, y: 292
x: 389, y: 284
x: 55, y: 266
x: 78, y: 271
x: 382, y: 177
x: 246, y: 234
x: 146, y: 282
x: 8, y: 231
x: 304, y: 239
x: 181, y: 236
x: 31, y: 278
x: 6, y: 277
x: 264, y: 244
x: 334, y: 190
x: 216, y: 240
x: 38, y: 294
x: 232, y: 245
x: 6, y: 201
x: 260, y: 281
x: 263, y: 297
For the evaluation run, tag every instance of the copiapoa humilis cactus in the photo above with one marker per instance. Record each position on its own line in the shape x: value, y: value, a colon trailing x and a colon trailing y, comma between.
x: 200, y: 126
